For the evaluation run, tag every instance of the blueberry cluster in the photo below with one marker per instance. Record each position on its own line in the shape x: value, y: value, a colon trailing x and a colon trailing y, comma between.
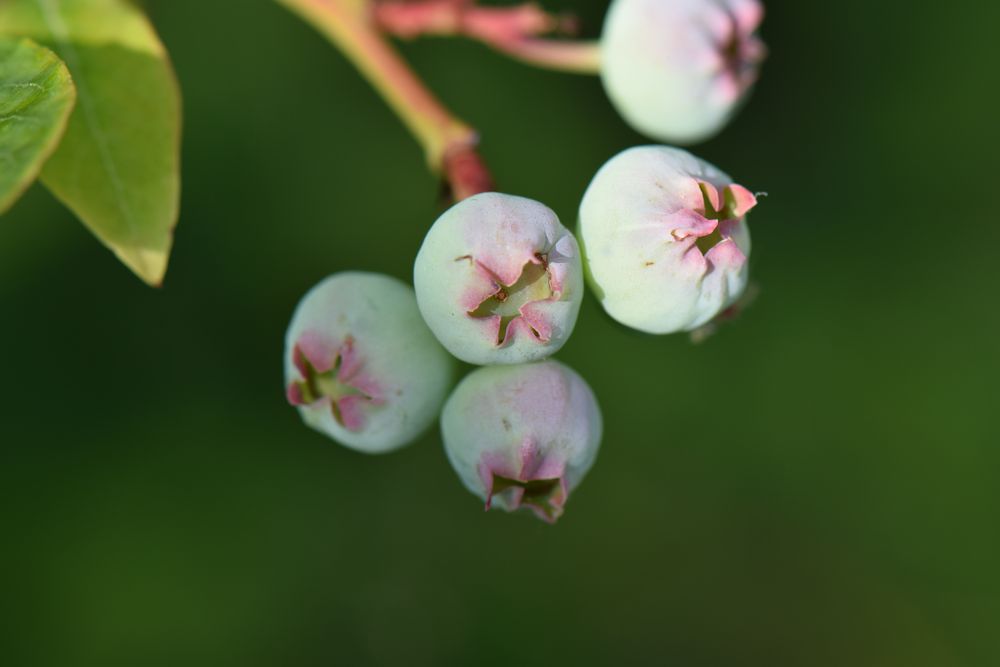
x: 498, y: 282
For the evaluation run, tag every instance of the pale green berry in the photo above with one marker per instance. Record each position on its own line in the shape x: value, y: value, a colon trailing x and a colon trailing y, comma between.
x: 361, y: 365
x: 677, y: 69
x: 499, y: 280
x: 522, y: 436
x: 665, y: 239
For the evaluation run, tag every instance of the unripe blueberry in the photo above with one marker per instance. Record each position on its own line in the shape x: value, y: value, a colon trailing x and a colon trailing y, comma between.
x: 677, y: 69
x: 522, y: 436
x: 361, y: 365
x: 499, y: 280
x: 665, y: 239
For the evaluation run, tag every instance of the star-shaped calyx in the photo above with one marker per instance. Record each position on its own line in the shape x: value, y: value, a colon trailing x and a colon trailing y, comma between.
x: 713, y: 221
x: 335, y: 375
x: 509, y: 307
x: 537, y: 482
x: 740, y: 50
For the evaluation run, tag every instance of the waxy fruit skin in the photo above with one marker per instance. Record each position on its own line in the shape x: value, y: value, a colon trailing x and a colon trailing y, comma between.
x: 522, y: 436
x: 499, y: 280
x: 676, y: 70
x: 665, y: 239
x: 361, y: 365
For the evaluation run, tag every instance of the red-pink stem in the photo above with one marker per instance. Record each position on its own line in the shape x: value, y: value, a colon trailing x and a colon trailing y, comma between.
x: 512, y: 30
x: 411, y: 18
x: 565, y: 56
x: 443, y: 136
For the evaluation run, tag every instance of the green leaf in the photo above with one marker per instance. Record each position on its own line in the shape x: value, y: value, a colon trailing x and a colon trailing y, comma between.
x: 36, y: 98
x: 117, y: 167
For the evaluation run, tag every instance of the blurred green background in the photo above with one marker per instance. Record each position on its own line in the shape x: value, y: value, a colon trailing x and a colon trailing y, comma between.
x: 816, y: 485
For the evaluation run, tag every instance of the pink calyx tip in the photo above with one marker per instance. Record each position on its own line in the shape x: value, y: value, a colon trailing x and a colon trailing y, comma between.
x: 539, y: 484
x: 333, y: 375
x: 511, y: 307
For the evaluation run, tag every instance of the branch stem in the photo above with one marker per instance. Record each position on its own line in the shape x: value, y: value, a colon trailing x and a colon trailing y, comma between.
x: 513, y: 30
x: 561, y: 55
x: 347, y: 24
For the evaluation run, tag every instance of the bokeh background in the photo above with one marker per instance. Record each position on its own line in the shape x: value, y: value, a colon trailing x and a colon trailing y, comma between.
x: 816, y: 485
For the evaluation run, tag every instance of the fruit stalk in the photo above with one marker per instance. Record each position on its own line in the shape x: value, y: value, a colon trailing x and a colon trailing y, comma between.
x: 511, y: 30
x: 446, y: 140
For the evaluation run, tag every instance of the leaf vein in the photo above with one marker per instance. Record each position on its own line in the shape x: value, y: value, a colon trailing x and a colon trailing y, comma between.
x: 60, y: 33
x: 22, y: 85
